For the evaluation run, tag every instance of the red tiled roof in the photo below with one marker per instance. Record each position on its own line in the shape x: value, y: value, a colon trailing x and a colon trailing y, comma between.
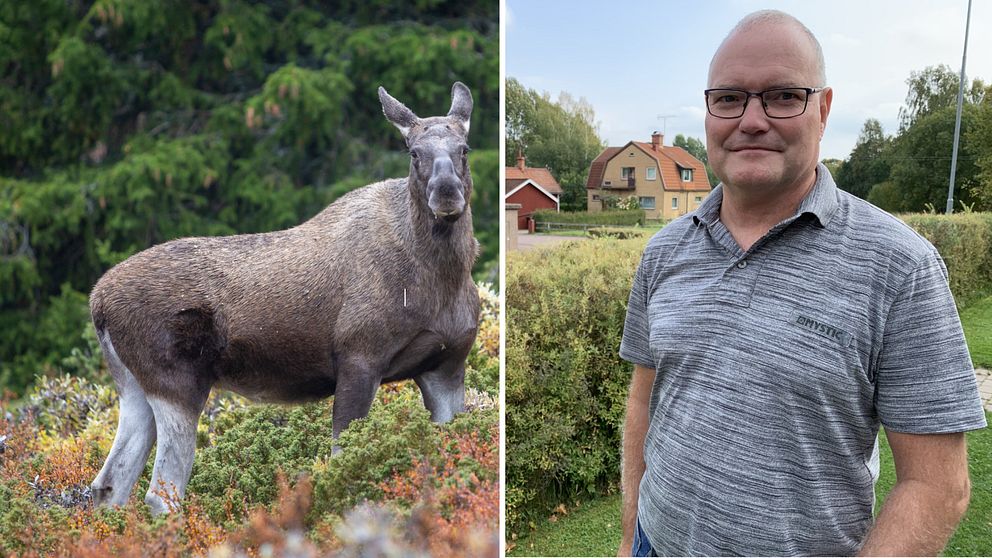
x: 539, y: 175
x: 598, y: 167
x: 669, y: 159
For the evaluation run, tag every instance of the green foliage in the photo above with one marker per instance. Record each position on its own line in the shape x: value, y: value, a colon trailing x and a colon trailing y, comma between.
x: 485, y: 209
x: 619, y: 218
x: 129, y: 123
x: 251, y: 445
x: 63, y: 405
x: 964, y: 241
x: 935, y: 88
x: 697, y: 149
x: 566, y: 385
x: 867, y: 165
x: 373, y: 448
x: 561, y: 135
x: 620, y: 233
x: 922, y: 160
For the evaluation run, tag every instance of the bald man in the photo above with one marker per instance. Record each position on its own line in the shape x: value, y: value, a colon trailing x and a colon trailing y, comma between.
x: 774, y: 330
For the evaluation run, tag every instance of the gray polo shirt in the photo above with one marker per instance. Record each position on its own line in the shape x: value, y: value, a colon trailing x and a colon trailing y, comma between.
x: 775, y: 367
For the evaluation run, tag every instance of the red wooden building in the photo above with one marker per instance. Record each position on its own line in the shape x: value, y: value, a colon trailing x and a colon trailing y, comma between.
x: 533, y: 188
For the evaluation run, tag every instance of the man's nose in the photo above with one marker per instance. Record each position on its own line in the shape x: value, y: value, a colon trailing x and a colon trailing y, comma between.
x: 754, y: 120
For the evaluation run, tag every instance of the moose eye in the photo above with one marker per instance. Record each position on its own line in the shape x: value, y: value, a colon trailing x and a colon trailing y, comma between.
x: 414, y: 155
x: 465, y: 151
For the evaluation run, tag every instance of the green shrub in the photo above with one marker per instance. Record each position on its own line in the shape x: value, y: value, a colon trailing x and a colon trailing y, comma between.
x: 566, y: 385
x: 964, y: 240
x: 372, y: 449
x: 620, y: 234
x: 251, y: 445
x: 619, y: 218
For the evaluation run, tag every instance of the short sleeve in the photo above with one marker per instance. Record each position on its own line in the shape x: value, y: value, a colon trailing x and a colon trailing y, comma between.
x: 925, y: 382
x: 634, y: 345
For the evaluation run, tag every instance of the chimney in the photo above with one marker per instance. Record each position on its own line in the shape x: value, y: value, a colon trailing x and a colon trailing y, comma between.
x: 520, y: 159
x: 656, y: 140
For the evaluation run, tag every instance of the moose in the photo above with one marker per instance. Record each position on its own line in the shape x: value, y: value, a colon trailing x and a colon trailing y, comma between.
x: 375, y: 288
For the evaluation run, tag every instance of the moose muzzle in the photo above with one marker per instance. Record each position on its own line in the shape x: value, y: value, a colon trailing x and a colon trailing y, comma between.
x: 444, y: 191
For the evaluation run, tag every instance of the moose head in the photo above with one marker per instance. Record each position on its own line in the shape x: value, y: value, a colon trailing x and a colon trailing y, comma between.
x: 439, y: 173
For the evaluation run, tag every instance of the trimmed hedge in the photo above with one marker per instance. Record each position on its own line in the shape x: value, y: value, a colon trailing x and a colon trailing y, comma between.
x: 628, y: 218
x: 566, y: 386
x: 620, y: 233
x: 964, y: 241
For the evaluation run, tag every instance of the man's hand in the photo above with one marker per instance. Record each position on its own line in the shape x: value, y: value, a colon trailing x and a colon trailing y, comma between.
x: 930, y: 496
x: 635, y: 428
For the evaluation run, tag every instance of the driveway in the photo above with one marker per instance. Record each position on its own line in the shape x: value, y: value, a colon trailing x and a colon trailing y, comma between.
x: 526, y: 242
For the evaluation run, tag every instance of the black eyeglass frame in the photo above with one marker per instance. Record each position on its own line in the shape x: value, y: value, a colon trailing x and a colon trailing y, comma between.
x: 809, y: 91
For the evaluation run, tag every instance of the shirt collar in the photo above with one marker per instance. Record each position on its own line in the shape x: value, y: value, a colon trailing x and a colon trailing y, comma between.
x: 821, y: 201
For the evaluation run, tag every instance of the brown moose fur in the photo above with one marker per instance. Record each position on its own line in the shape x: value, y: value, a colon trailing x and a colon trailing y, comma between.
x: 375, y: 288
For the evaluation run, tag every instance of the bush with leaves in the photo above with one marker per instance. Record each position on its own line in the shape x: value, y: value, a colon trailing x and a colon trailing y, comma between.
x: 566, y: 385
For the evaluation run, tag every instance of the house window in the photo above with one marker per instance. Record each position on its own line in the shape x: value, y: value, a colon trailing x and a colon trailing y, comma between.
x: 652, y: 173
x: 595, y: 197
x: 699, y: 199
x: 626, y: 172
x: 675, y: 203
x: 646, y: 202
x: 686, y: 175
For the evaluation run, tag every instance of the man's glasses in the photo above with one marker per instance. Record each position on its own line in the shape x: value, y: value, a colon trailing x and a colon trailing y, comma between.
x: 783, y: 102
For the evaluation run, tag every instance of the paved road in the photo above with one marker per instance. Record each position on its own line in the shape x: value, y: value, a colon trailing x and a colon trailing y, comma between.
x: 527, y: 242
x: 985, y: 387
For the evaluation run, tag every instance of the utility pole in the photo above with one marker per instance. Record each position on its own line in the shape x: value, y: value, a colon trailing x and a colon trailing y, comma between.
x: 957, y: 121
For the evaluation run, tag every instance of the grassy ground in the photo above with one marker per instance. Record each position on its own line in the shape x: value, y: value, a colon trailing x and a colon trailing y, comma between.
x: 977, y: 322
x: 593, y: 529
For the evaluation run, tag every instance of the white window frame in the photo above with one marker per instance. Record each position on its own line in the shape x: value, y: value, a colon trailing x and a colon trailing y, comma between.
x: 626, y: 175
x: 675, y: 202
x: 651, y: 173
x: 640, y: 201
x: 686, y: 175
x: 699, y: 199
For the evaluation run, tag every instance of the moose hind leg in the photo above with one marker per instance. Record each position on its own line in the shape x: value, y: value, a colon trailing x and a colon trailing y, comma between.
x: 443, y: 391
x: 176, y: 429
x: 133, y: 441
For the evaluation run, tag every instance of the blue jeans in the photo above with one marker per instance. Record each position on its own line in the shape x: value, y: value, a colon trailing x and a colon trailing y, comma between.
x: 641, y: 546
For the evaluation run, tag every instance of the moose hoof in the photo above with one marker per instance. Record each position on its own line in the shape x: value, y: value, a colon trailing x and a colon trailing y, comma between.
x: 157, y: 504
x: 101, y: 494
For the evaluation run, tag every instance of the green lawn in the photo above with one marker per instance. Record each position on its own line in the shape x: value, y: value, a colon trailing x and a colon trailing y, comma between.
x: 593, y: 529
x: 977, y: 322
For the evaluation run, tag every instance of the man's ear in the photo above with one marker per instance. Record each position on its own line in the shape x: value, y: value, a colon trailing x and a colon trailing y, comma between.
x: 826, y: 99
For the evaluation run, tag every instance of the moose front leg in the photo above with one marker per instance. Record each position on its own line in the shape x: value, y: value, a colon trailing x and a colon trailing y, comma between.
x: 357, y: 383
x: 443, y: 392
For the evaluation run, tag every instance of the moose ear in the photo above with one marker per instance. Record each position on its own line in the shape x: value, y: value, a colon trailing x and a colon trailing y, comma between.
x: 461, y: 104
x: 397, y: 113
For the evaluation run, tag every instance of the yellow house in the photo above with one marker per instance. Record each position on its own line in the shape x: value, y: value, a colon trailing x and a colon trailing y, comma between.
x: 667, y: 181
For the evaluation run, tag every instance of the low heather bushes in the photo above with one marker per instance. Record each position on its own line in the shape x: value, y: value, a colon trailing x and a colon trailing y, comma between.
x: 264, y: 478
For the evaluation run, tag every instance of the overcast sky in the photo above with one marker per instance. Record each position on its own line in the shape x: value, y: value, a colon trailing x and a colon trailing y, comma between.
x: 637, y: 60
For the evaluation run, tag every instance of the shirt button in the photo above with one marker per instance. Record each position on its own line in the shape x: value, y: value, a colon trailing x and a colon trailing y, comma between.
x: 742, y: 264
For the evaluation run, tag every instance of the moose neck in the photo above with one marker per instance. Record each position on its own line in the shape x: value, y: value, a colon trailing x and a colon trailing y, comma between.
x: 449, y: 246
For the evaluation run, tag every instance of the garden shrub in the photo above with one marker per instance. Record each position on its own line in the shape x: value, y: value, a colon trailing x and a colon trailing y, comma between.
x: 620, y: 234
x: 620, y: 218
x: 566, y: 386
x: 964, y: 241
